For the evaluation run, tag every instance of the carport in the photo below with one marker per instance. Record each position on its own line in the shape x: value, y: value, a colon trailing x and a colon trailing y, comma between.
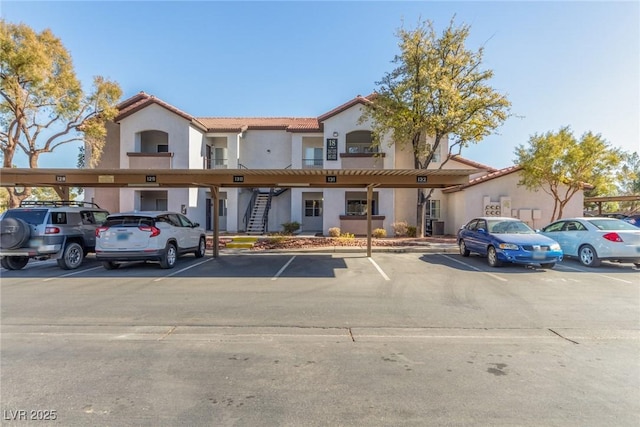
x: 214, y: 179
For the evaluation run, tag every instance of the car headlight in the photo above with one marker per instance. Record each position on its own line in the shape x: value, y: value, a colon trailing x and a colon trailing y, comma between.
x: 508, y: 246
x: 554, y: 247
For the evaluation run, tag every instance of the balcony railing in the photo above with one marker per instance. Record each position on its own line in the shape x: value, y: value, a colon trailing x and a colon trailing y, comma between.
x: 311, y: 163
x: 216, y: 163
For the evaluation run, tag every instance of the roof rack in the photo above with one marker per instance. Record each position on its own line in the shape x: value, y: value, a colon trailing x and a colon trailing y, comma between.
x: 58, y: 203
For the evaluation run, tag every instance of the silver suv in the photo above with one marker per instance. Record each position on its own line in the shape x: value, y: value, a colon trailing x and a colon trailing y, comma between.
x: 148, y: 236
x: 62, y: 230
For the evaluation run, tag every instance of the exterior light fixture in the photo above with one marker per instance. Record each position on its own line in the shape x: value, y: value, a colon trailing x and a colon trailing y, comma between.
x: 335, y: 134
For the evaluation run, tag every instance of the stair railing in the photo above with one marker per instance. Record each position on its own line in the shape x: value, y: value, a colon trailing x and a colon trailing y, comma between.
x: 247, y: 214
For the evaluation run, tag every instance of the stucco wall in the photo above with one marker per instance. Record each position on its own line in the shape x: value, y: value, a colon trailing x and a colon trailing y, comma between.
x: 469, y: 203
x: 266, y: 149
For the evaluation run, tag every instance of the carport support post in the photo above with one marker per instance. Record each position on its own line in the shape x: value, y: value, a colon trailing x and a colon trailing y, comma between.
x: 216, y: 221
x: 369, y: 205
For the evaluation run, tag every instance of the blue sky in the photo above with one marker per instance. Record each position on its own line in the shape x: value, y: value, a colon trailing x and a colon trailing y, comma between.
x: 567, y: 63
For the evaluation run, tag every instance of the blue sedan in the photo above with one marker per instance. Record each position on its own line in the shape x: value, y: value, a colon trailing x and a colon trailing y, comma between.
x: 508, y: 240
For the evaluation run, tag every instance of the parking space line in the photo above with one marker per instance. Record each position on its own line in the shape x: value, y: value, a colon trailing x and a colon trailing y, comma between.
x: 379, y: 269
x: 283, y: 268
x: 615, y: 278
x: 70, y: 274
x: 183, y: 269
x: 475, y: 268
x: 562, y: 267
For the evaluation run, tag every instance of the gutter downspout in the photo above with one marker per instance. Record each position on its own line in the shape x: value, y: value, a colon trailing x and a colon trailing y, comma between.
x: 243, y: 130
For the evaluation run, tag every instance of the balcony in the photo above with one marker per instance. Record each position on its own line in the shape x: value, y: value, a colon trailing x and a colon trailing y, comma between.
x: 358, y: 159
x: 216, y: 164
x: 150, y: 160
x: 312, y: 163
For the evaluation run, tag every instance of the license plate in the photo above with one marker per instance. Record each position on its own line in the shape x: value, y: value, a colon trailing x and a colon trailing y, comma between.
x: 539, y: 255
x: 123, y: 236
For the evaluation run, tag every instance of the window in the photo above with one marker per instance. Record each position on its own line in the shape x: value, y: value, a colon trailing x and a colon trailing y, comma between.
x: 163, y: 148
x: 436, y: 154
x: 59, y: 218
x: 222, y: 207
x: 313, y: 208
x: 433, y: 211
x: 359, y: 207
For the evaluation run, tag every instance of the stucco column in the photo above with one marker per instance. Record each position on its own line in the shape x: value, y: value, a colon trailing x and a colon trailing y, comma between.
x: 215, y: 197
x: 369, y: 204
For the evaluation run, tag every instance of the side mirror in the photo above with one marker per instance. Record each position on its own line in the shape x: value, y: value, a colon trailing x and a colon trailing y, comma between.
x: 195, y: 224
x: 482, y: 231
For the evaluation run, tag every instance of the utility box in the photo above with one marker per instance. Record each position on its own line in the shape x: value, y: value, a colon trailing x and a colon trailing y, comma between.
x: 438, y: 228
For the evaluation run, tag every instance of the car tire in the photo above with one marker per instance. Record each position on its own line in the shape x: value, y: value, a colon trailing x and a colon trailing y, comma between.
x: 110, y: 265
x: 548, y: 265
x: 72, y: 256
x: 463, y: 249
x: 588, y: 256
x: 169, y: 257
x: 14, y: 233
x: 15, y: 262
x: 202, y: 247
x: 3, y: 263
x: 492, y: 257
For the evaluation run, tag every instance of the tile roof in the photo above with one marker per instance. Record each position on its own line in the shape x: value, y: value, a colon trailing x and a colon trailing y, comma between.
x: 468, y: 162
x: 357, y: 100
x: 484, y: 178
x: 142, y: 100
x: 238, y: 124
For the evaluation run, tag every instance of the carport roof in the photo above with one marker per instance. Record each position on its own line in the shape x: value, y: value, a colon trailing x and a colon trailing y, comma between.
x: 183, y: 178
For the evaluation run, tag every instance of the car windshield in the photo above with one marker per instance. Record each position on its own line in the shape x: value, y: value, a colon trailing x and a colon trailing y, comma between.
x: 612, y: 224
x: 509, y: 227
x: 129, y: 221
x: 30, y: 216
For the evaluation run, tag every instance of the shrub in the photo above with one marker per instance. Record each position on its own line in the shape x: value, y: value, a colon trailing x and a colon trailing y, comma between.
x: 290, y: 227
x: 334, y: 232
x: 379, y: 233
x: 400, y: 228
x: 411, y: 231
x: 347, y: 236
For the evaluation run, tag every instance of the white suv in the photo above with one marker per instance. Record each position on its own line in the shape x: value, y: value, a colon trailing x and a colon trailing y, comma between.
x: 148, y: 236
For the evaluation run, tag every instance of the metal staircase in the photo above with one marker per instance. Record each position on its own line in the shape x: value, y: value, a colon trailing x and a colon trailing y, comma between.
x: 257, y: 220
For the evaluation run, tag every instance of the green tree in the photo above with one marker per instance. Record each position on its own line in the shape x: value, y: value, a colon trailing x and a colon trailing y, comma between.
x: 438, y: 90
x: 561, y: 165
x: 42, y: 104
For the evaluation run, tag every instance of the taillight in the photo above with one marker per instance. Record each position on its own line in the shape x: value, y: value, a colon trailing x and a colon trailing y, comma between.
x: 613, y: 237
x: 51, y: 230
x: 100, y: 230
x: 153, y: 230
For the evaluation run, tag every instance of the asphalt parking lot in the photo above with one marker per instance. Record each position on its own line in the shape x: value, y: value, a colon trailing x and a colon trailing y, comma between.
x: 321, y: 339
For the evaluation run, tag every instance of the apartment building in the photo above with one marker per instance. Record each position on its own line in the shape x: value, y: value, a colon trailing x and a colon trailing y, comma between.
x: 149, y: 133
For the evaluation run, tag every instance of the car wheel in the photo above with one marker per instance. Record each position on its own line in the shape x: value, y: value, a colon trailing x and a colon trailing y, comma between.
x: 463, y: 249
x: 110, y: 265
x: 548, y: 265
x: 588, y: 256
x: 492, y: 257
x: 170, y: 255
x: 14, y: 233
x: 3, y: 263
x: 72, y: 256
x: 202, y: 247
x: 15, y: 262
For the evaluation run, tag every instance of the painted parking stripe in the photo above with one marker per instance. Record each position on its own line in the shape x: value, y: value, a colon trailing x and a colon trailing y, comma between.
x: 183, y: 269
x: 283, y: 268
x: 563, y: 267
x: 475, y: 268
x: 379, y: 269
x: 71, y: 274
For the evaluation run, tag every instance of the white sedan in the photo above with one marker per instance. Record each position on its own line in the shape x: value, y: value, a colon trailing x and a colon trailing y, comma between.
x: 594, y: 239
